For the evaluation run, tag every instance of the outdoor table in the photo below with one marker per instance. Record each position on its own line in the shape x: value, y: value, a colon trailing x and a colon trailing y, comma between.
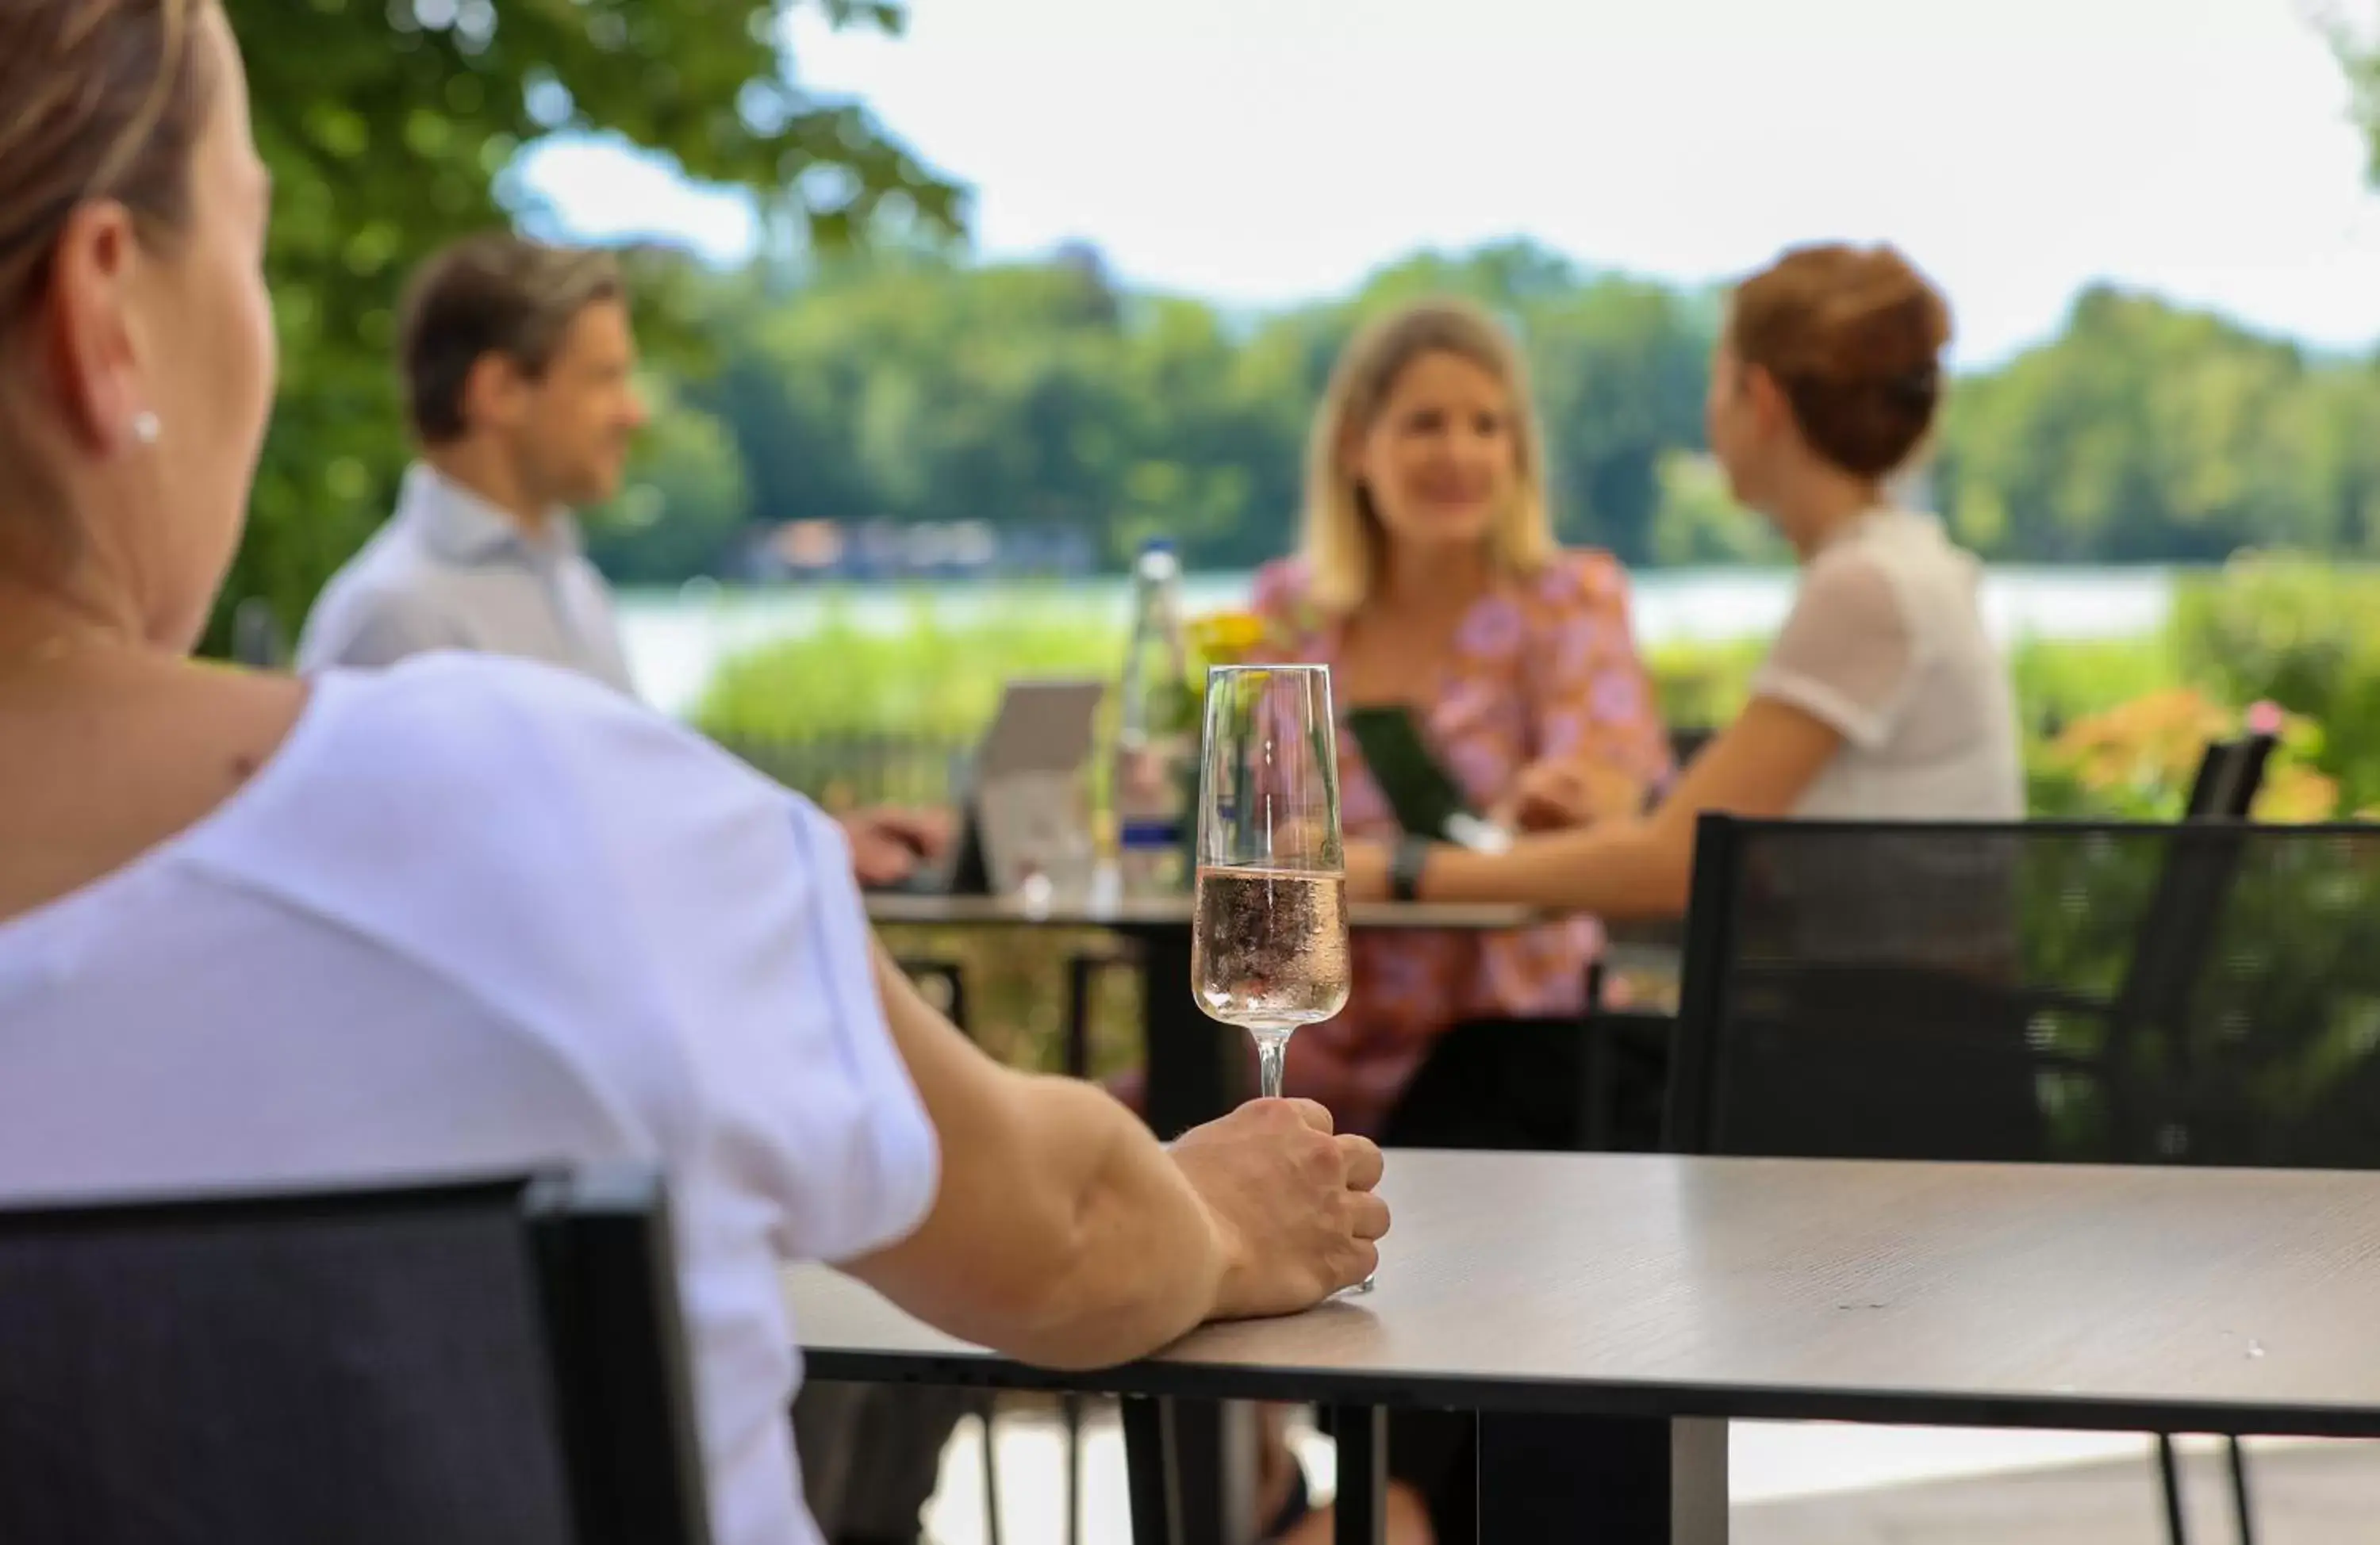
x: 1688, y: 1291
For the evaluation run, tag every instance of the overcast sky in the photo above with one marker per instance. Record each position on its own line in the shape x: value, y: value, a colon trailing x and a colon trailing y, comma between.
x: 1264, y: 151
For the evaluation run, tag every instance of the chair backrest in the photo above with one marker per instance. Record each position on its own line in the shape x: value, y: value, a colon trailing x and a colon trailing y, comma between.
x: 2228, y: 775
x: 2205, y: 993
x: 490, y: 1362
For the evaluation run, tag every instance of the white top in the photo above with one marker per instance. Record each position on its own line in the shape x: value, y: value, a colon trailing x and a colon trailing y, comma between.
x: 450, y: 571
x: 481, y: 916
x: 1887, y: 644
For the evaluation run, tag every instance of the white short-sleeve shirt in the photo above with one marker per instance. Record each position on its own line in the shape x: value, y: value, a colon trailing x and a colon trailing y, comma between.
x: 1887, y: 644
x: 479, y: 914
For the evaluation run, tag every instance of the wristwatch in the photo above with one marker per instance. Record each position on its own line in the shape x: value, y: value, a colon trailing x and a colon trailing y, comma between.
x: 1404, y: 868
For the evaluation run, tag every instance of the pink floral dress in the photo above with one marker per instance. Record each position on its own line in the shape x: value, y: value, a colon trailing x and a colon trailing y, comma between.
x: 1545, y: 668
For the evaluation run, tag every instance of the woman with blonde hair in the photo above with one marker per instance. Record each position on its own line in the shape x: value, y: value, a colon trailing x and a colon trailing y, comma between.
x: 1428, y: 578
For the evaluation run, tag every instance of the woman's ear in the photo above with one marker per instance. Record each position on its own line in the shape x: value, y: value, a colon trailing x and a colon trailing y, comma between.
x: 86, y: 341
x: 1348, y: 454
x: 1771, y: 409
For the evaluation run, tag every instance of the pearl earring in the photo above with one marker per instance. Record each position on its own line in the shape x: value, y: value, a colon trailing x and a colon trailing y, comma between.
x: 146, y: 427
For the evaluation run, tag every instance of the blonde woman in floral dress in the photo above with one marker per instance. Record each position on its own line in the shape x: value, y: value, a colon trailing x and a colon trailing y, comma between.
x: 1428, y: 578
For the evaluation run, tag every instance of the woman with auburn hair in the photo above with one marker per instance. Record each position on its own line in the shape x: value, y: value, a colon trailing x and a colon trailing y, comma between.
x: 1428, y: 579
x: 1883, y: 696
x: 475, y: 915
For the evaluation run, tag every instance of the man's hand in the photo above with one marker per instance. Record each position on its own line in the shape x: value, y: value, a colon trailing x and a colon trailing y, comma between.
x: 887, y: 845
x: 1292, y: 1205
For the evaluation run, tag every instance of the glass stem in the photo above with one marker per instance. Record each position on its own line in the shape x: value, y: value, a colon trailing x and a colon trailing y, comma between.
x: 1270, y: 1044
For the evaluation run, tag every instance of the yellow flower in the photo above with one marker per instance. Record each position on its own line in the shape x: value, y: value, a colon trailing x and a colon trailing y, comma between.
x: 2148, y: 742
x: 2293, y: 795
x: 1226, y: 637
x: 2151, y: 746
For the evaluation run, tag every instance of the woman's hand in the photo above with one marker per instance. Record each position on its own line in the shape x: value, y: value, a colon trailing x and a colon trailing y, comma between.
x: 1368, y: 869
x: 1291, y: 1202
x: 1549, y: 796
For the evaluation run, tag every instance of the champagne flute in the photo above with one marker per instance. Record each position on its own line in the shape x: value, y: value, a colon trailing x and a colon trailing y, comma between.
x: 1269, y: 946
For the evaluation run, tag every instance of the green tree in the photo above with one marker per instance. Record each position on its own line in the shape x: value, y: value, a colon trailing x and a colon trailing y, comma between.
x: 684, y: 502
x: 389, y: 124
x: 1699, y: 522
x: 1623, y: 365
x: 2148, y: 432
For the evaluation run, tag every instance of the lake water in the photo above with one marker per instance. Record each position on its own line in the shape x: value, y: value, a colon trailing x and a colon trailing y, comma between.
x: 676, y: 639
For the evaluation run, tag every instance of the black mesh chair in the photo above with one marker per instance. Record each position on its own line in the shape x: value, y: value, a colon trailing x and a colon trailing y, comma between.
x: 490, y: 1363
x: 2206, y: 993
x: 1625, y: 1066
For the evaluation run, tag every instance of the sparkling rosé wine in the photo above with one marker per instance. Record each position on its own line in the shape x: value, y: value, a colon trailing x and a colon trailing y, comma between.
x: 1269, y: 951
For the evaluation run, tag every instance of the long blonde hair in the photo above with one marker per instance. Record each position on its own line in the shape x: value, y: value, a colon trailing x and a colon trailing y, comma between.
x: 1342, y: 537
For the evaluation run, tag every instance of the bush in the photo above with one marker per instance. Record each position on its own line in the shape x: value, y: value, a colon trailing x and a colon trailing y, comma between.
x: 2136, y: 762
x: 931, y: 676
x: 2060, y: 680
x: 1703, y: 685
x: 2300, y: 632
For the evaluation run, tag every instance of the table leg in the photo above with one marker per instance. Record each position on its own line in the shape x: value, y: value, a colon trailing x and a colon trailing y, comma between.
x: 1148, y: 1470
x: 1192, y: 1469
x: 1197, y: 1071
x: 1361, y: 1508
x: 1698, y: 1483
x: 1631, y: 1481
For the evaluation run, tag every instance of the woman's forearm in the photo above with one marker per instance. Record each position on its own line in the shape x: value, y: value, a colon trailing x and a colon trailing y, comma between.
x: 1616, y: 869
x: 1137, y: 1261
x: 1062, y: 1233
x: 1758, y: 767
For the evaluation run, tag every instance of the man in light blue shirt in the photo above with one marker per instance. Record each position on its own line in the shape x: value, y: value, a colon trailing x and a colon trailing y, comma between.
x: 452, y: 571
x: 519, y: 363
x: 519, y: 369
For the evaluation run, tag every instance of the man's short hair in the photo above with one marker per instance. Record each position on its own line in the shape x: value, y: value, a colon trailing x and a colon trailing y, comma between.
x: 493, y: 294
